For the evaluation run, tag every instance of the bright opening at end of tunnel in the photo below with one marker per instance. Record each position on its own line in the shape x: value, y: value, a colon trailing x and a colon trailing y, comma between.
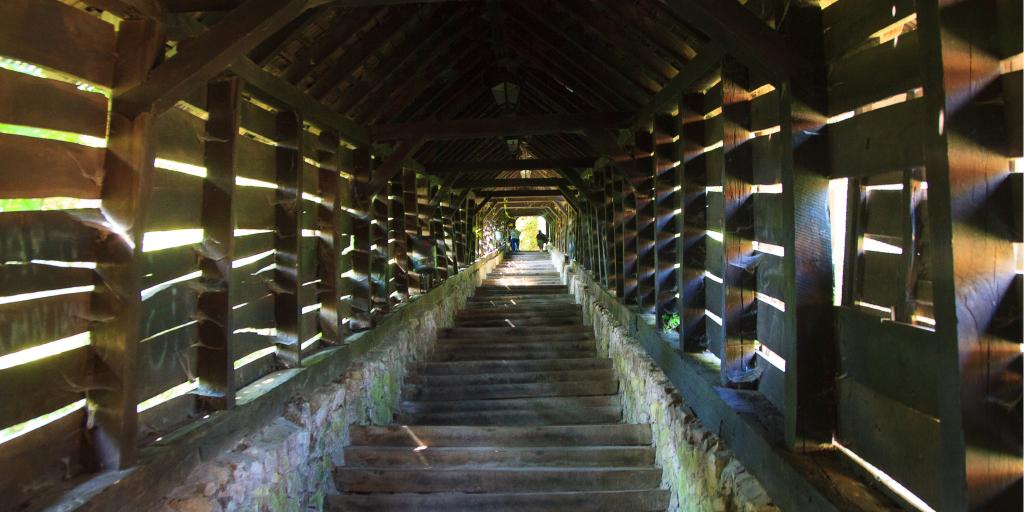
x: 528, y: 228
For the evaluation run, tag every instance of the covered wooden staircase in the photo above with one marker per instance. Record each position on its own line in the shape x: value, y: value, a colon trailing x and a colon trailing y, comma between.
x: 514, y: 411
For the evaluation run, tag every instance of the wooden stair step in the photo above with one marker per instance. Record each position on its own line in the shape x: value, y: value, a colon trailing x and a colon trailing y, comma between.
x: 508, y: 366
x: 458, y: 355
x: 618, y: 434
x: 591, y: 501
x: 534, y: 403
x: 476, y: 480
x: 490, y: 456
x: 471, y: 379
x: 580, y: 416
x: 579, y: 388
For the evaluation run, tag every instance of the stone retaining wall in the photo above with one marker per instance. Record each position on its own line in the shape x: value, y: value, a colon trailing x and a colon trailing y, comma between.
x: 702, y: 473
x: 287, y: 465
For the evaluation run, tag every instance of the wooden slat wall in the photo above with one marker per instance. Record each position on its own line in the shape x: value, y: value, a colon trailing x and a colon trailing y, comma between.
x: 40, y: 168
x: 693, y: 180
x: 668, y: 163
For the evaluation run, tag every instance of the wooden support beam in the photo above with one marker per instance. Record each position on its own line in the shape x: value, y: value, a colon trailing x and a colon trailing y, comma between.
x: 573, y: 176
x: 215, y: 354
x: 126, y: 192
x: 280, y: 93
x: 506, y: 165
x: 502, y: 126
x: 526, y: 193
x: 751, y: 41
x: 288, y: 241
x: 393, y: 165
x: 210, y: 53
x: 707, y: 60
x: 518, y: 183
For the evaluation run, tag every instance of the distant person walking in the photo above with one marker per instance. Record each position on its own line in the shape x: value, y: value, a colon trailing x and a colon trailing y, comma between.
x: 513, y: 238
x: 542, y: 240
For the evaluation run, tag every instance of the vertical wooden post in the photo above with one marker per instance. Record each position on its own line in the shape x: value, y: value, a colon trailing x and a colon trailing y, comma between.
x: 629, y: 243
x: 647, y: 257
x: 610, y: 230
x: 288, y: 239
x: 618, y: 226
x: 412, y: 229
x: 215, y: 353
x: 973, y: 132
x: 397, y: 248
x: 361, y: 293
x: 667, y: 164
x: 693, y: 241
x: 714, y: 262
x: 326, y: 152
x: 344, y: 241
x: 380, y: 282
x: 125, y: 196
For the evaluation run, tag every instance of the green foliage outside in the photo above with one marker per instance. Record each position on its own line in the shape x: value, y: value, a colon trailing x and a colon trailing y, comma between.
x: 528, y: 227
x: 669, y: 322
x: 48, y: 203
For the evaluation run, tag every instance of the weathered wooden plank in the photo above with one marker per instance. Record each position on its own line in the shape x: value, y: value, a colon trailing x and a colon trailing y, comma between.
x: 209, y: 54
x: 27, y: 324
x: 849, y: 25
x: 216, y: 353
x: 179, y: 137
x: 874, y: 74
x: 168, y: 309
x: 43, y: 33
x: 49, y: 168
x: 893, y: 359
x: 257, y: 119
x: 31, y: 101
x: 257, y: 314
x: 48, y: 235
x: 177, y: 201
x: 768, y: 223
x: 880, y: 141
x: 288, y: 215
x: 254, y: 208
x: 127, y: 188
x: 43, y: 457
x: 897, y: 439
x: 256, y: 160
x: 167, y: 360
x: 884, y: 213
x: 877, y: 272
x: 164, y: 265
x: 166, y: 417
x: 44, y: 385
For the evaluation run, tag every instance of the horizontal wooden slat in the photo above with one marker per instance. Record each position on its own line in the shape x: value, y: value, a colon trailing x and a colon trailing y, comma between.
x: 768, y: 224
x: 256, y: 161
x: 31, y: 101
x: 253, y: 244
x: 246, y: 343
x: 164, y: 265
x: 49, y: 168
x: 254, y: 207
x: 43, y: 457
x: 52, y: 235
x: 882, y: 140
x: 849, y: 23
x: 897, y: 439
x: 258, y: 120
x: 43, y: 386
x: 177, y: 201
x: 883, y: 213
x: 255, y: 370
x: 58, y: 36
x: 19, y: 279
x: 881, y: 285
x: 167, y: 416
x: 167, y: 360
x: 30, y: 323
x: 168, y: 308
x: 258, y: 314
x: 248, y: 286
x: 179, y: 137
x: 874, y: 74
x: 896, y: 360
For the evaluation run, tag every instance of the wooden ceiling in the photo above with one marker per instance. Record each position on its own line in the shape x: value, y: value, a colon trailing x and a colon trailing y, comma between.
x: 406, y: 62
